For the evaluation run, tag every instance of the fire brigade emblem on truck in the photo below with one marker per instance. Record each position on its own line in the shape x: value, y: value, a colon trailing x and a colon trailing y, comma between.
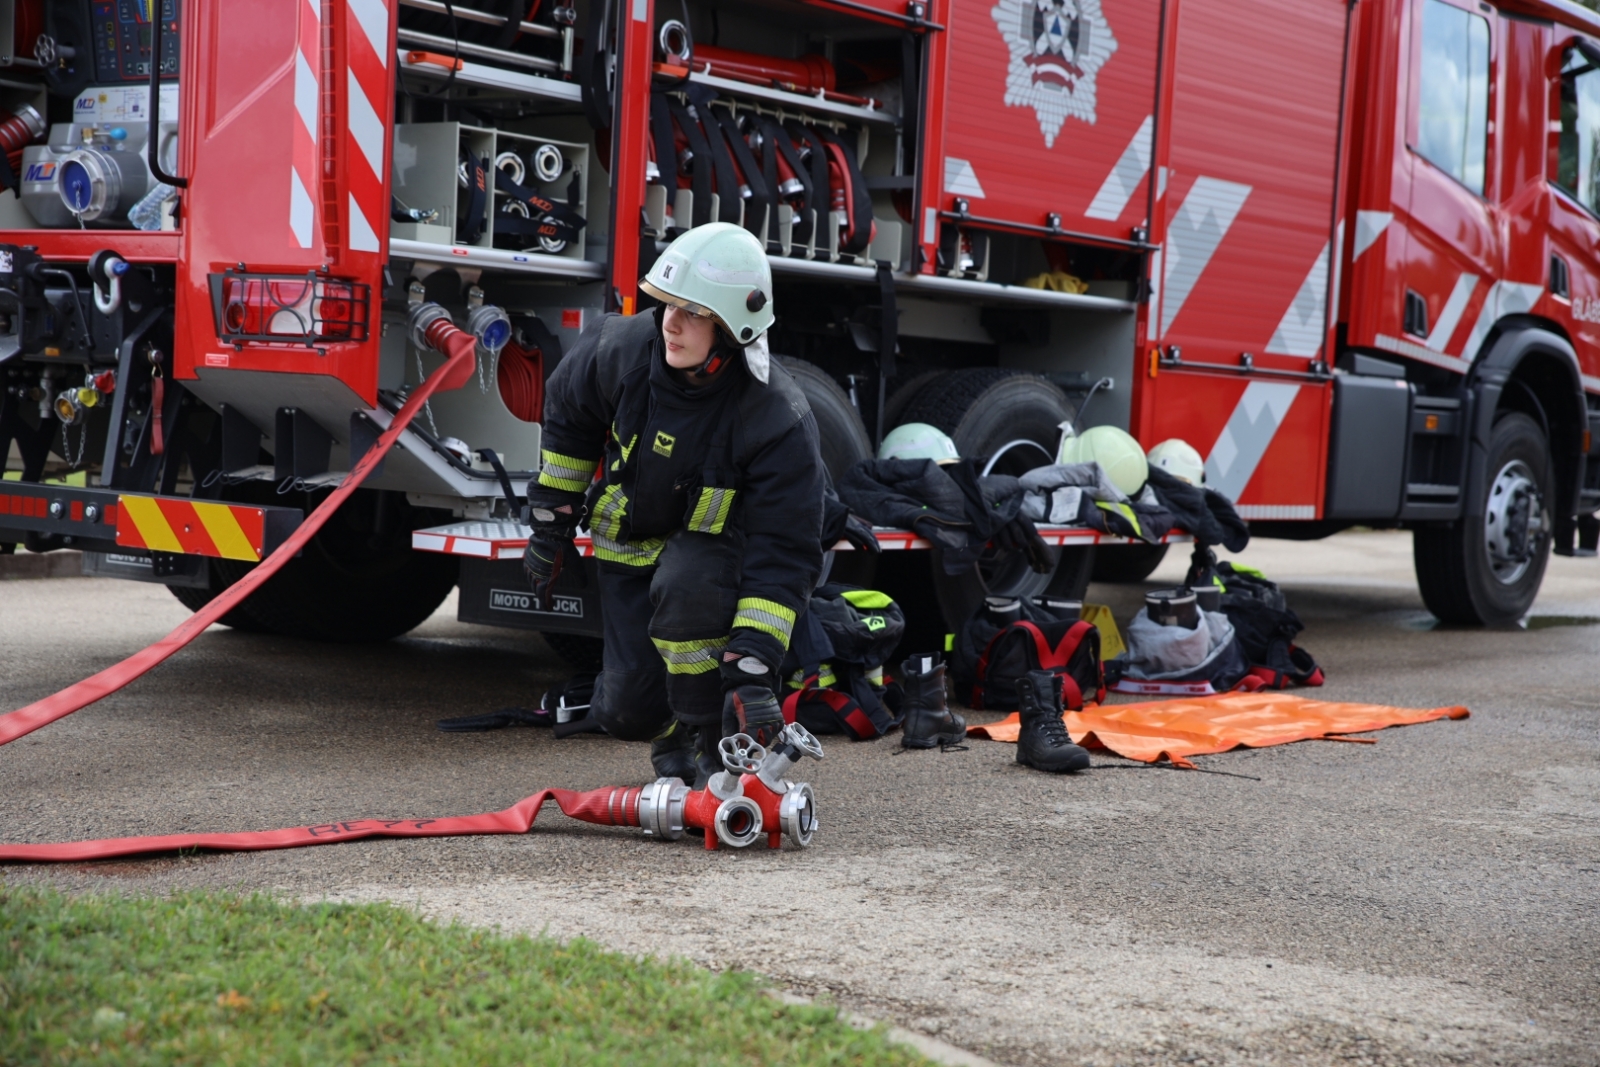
x: 1057, y: 48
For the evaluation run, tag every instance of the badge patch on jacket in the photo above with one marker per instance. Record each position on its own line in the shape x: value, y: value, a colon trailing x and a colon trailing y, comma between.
x: 664, y: 443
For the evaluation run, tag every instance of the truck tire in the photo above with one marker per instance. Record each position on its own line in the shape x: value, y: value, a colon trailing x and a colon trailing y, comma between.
x: 984, y: 409
x: 1127, y: 564
x: 581, y: 653
x: 844, y: 437
x: 1485, y: 569
x: 194, y: 599
x: 357, y: 580
x: 906, y: 394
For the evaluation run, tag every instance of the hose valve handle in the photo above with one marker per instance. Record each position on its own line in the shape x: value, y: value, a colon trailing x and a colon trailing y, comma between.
x: 793, y: 744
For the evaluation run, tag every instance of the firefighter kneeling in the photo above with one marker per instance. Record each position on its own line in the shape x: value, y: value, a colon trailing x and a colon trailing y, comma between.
x: 706, y: 514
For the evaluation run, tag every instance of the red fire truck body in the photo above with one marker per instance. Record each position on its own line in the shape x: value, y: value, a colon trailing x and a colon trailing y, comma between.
x: 1345, y: 249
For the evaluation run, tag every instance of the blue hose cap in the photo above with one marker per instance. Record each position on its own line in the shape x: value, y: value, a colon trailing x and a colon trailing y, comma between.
x: 117, y: 133
x: 77, y: 187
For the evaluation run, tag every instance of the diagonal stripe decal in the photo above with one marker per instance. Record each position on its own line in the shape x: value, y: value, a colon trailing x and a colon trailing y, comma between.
x: 365, y: 125
x: 373, y: 18
x: 1194, y: 233
x: 1370, y: 225
x: 230, y: 540
x: 1450, y: 316
x: 362, y: 237
x: 146, y: 518
x: 1505, y: 298
x: 1125, y: 178
x: 1300, y: 331
x: 1245, y: 439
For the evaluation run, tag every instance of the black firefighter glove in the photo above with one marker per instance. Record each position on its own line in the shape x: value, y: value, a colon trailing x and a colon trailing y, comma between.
x: 1021, y: 535
x: 859, y: 533
x: 748, y: 704
x: 554, y: 517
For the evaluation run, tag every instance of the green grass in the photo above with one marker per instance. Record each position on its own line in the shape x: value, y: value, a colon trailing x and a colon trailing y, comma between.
x: 220, y: 979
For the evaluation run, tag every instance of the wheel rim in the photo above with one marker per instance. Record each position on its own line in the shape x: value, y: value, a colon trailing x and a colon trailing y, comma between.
x: 1515, y: 524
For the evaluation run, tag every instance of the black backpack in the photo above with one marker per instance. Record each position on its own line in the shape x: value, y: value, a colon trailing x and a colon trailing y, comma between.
x: 1266, y: 627
x: 835, y: 664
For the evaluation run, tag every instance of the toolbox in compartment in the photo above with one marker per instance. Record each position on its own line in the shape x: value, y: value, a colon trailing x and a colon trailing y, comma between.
x: 489, y: 188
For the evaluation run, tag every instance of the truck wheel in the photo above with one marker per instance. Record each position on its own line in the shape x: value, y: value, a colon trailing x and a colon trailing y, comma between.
x: 903, y: 396
x: 580, y: 653
x: 194, y: 599
x: 1127, y: 564
x: 1485, y: 569
x: 984, y: 410
x: 357, y: 580
x: 844, y: 438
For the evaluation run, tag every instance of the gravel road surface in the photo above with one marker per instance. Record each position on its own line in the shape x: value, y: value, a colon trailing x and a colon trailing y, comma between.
x: 1433, y: 898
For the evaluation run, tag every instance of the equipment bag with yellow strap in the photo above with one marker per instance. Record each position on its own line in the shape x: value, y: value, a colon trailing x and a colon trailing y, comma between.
x: 835, y: 663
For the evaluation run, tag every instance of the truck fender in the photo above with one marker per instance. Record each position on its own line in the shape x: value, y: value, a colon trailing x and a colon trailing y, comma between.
x: 1487, y: 382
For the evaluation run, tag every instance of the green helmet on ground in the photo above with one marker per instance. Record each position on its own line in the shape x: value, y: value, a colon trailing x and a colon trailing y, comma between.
x: 1180, y: 459
x: 719, y: 270
x: 1118, y: 454
x: 918, y: 440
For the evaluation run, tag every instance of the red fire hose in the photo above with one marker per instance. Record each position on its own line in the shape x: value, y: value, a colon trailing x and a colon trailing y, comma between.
x: 734, y: 809
x: 443, y: 336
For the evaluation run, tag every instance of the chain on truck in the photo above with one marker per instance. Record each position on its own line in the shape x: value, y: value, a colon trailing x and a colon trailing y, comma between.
x: 1347, y: 249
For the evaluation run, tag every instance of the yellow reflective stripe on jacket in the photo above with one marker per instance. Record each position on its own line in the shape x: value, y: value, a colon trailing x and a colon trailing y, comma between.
x: 768, y: 616
x: 710, y: 512
x: 609, y: 510
x: 691, y: 657
x: 568, y: 473
x: 634, y: 554
x: 1125, y: 511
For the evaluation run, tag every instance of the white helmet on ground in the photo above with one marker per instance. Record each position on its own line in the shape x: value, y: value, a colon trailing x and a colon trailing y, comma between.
x: 1180, y: 459
x: 1118, y: 454
x: 918, y: 440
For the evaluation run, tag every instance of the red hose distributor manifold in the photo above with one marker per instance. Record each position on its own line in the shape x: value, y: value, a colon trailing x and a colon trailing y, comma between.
x: 739, y: 804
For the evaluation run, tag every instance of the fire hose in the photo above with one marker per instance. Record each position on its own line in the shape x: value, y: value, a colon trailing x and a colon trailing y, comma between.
x: 430, y: 327
x: 735, y: 808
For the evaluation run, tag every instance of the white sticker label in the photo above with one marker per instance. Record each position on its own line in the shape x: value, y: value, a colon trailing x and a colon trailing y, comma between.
x: 7, y: 263
x: 118, y: 103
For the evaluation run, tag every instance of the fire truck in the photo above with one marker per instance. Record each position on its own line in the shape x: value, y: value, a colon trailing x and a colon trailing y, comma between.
x: 1346, y: 248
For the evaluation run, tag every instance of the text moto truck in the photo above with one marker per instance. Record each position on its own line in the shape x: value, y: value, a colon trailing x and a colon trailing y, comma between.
x: 1346, y: 249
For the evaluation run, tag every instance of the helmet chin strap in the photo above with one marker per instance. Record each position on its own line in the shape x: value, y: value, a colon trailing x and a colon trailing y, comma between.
x: 716, y: 358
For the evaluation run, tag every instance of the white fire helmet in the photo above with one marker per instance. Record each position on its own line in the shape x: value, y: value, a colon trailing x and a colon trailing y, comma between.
x: 1180, y: 459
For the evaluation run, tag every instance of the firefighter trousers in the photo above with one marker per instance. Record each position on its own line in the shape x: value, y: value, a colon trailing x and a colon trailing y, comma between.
x: 666, y: 626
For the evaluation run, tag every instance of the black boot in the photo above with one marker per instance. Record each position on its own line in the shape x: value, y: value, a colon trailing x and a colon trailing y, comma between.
x: 1044, y: 743
x: 928, y: 718
x: 672, y: 751
x: 707, y: 756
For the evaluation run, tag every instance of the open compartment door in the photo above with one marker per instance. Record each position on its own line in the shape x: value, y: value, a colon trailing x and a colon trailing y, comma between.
x: 287, y: 112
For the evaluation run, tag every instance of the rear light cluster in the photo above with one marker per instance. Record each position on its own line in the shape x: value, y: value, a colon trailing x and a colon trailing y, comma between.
x: 308, y: 309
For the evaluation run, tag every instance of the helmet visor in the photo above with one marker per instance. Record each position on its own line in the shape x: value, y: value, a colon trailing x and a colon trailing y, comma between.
x: 699, y: 311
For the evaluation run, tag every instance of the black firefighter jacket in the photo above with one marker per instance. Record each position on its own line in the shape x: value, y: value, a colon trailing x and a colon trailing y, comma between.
x: 734, y: 457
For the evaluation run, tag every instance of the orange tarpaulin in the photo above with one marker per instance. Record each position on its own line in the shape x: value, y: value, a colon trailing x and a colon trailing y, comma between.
x: 1197, y: 726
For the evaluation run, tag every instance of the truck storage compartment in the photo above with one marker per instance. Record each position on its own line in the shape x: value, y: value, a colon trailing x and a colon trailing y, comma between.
x: 785, y: 119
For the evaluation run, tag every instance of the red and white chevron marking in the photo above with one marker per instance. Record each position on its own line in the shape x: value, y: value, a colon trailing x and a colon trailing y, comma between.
x: 367, y: 54
x: 306, y: 156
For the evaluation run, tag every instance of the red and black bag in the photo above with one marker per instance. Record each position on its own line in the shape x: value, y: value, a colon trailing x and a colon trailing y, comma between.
x: 845, y: 702
x: 1069, y: 649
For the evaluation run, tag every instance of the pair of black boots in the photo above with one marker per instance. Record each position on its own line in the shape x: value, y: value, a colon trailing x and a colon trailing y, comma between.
x: 1042, y: 744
